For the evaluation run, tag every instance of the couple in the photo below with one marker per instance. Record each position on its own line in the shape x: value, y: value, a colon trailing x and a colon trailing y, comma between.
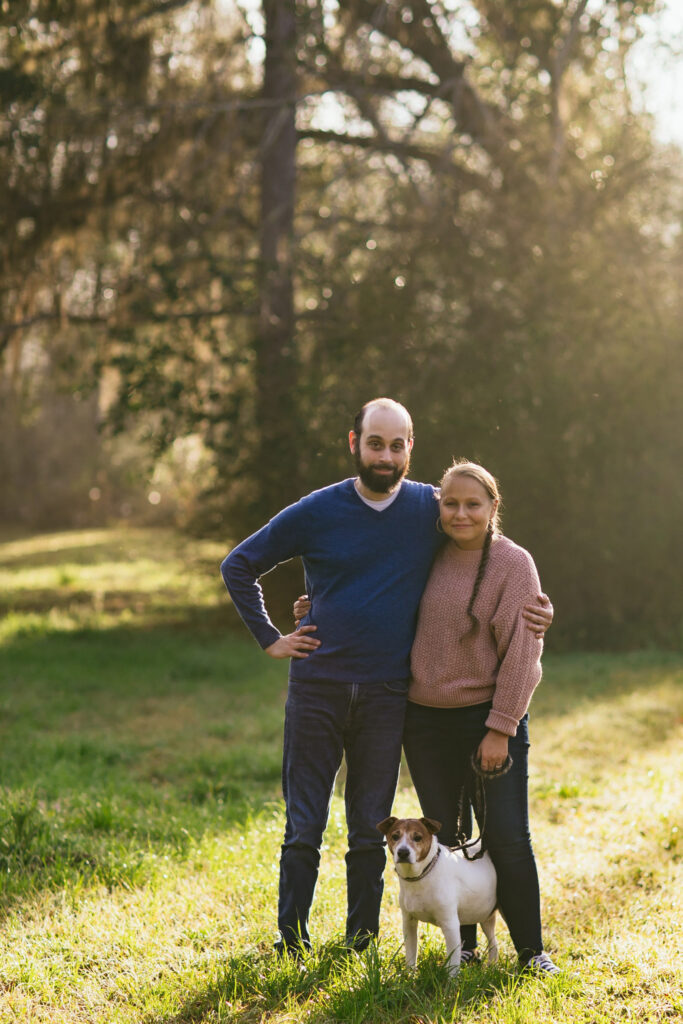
x: 376, y: 549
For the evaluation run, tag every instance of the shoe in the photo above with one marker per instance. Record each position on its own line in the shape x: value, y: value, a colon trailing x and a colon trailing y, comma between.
x: 295, y: 953
x: 358, y: 944
x: 469, y: 956
x: 541, y: 964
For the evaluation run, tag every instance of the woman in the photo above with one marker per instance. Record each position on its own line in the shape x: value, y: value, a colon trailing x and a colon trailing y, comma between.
x: 475, y: 667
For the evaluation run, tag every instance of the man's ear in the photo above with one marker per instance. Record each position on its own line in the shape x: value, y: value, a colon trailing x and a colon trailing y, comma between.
x: 353, y: 439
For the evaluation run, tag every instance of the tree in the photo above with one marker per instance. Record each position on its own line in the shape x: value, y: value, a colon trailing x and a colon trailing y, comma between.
x: 275, y: 369
x: 452, y: 203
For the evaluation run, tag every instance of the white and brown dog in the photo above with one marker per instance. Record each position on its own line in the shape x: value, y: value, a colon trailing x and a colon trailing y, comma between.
x: 440, y: 886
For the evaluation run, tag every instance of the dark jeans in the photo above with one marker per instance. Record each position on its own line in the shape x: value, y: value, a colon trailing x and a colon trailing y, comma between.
x: 438, y: 743
x: 324, y: 721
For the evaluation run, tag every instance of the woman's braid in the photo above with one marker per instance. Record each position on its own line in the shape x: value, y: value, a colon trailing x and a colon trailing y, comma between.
x: 481, y: 571
x: 462, y: 467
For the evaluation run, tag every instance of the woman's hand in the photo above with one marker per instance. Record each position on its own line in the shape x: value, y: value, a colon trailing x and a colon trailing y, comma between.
x: 294, y: 645
x: 539, y: 615
x: 302, y: 606
x: 492, y: 750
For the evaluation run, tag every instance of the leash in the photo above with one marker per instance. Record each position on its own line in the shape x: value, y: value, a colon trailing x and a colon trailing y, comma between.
x: 474, y: 793
x: 418, y: 878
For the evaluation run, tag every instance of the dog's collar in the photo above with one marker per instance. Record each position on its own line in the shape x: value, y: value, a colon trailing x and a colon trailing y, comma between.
x: 418, y: 878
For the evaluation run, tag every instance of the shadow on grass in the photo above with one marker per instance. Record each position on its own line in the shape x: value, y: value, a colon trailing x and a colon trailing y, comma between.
x: 166, y: 605
x: 100, y: 546
x: 353, y: 989
x: 120, y: 744
x: 88, y: 547
x: 90, y: 843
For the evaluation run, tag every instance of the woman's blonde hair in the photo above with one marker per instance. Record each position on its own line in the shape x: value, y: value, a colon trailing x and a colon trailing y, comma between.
x: 463, y: 467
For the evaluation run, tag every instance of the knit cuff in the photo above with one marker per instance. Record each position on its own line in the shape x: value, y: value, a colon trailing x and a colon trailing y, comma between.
x: 502, y: 723
x: 266, y: 634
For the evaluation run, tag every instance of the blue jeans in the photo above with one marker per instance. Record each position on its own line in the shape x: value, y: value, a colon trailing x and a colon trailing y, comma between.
x: 324, y: 721
x: 438, y: 743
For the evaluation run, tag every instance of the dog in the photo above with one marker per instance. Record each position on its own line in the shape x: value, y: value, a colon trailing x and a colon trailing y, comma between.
x: 440, y: 886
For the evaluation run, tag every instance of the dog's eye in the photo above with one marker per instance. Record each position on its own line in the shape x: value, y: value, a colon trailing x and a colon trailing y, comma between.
x: 417, y: 838
x: 396, y: 836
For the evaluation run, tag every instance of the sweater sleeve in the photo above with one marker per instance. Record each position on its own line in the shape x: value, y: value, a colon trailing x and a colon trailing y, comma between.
x: 519, y: 651
x: 276, y: 542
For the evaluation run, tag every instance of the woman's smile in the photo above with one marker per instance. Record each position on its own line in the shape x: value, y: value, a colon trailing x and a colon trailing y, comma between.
x: 465, y: 510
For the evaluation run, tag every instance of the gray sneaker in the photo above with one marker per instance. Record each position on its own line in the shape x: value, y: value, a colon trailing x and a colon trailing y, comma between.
x: 541, y: 964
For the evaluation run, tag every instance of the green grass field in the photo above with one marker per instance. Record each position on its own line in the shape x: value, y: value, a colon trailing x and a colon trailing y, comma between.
x: 141, y: 818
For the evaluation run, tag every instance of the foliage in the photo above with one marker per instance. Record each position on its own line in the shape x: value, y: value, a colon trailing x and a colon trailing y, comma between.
x: 483, y: 228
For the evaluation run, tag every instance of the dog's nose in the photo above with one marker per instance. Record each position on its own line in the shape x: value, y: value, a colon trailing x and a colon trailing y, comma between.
x: 403, y: 853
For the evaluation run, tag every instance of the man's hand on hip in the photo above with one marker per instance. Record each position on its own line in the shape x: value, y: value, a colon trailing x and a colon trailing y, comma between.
x: 294, y: 645
x: 539, y: 616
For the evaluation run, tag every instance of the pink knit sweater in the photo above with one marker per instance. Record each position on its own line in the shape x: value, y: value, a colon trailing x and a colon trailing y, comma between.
x: 502, y: 661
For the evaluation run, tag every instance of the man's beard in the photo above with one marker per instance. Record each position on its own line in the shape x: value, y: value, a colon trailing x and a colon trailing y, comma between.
x: 379, y: 483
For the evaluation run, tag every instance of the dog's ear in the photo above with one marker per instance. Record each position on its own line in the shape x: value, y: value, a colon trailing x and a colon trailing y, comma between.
x: 386, y: 825
x: 433, y: 826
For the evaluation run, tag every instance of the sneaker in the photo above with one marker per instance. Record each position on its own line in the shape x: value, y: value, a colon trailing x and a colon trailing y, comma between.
x: 541, y: 964
x: 468, y: 956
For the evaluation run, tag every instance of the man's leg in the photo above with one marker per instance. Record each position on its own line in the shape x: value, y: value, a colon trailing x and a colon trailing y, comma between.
x: 373, y: 735
x: 313, y: 747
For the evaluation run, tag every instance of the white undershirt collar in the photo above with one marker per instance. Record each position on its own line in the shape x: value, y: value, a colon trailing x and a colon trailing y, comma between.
x: 378, y: 506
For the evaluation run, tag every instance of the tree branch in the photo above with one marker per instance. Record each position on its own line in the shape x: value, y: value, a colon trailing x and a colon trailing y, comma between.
x: 559, y: 59
x: 422, y: 36
x: 402, y: 150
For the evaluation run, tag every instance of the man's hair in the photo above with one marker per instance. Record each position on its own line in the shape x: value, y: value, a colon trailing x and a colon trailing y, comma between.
x: 382, y: 403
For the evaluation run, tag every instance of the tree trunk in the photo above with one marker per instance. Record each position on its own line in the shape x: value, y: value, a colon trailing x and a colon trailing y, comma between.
x: 276, y: 364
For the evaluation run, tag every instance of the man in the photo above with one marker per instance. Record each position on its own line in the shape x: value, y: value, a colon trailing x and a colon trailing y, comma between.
x: 367, y: 545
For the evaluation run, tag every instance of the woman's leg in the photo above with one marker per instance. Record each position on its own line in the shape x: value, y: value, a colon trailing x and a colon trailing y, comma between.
x: 437, y: 763
x: 437, y: 744
x: 506, y: 834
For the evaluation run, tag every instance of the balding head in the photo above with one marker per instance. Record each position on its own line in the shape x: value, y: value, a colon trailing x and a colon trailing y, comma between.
x: 400, y: 413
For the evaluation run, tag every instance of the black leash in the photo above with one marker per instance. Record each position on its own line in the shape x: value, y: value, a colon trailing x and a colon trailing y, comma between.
x: 473, y: 795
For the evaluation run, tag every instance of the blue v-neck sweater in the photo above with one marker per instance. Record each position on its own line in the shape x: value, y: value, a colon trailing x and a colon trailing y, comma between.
x: 365, y: 572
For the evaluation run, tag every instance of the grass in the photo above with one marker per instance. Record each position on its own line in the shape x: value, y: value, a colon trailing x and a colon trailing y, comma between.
x: 141, y: 818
